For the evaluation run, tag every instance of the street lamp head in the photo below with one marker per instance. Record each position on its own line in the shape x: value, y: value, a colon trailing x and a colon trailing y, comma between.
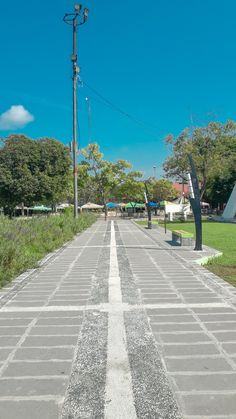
x: 86, y: 12
x: 79, y: 17
x: 78, y: 8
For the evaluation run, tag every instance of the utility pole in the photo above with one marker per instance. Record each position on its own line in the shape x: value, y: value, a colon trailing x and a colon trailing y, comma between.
x: 79, y: 17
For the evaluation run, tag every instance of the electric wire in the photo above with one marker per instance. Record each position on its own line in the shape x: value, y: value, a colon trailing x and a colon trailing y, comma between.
x: 116, y: 108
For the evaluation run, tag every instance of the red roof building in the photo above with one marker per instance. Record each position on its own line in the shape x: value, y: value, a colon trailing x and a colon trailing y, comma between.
x: 181, y: 188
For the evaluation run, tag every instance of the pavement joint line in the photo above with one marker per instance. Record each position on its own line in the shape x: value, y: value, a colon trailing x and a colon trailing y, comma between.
x: 51, y: 335
x: 151, y: 386
x: 208, y: 333
x: 212, y: 356
x: 37, y: 361
x: 118, y: 309
x: 208, y: 392
x: 117, y: 246
x: 201, y: 272
x: 218, y: 344
x: 35, y: 377
x: 9, y: 359
x: 106, y: 307
x: 109, y: 307
x: 89, y: 366
x: 209, y: 417
x: 40, y: 347
x: 71, y: 266
x: 186, y: 343
x: 24, y: 279
x: 205, y: 373
x: 198, y: 269
x: 17, y: 346
x: 199, y: 276
x: 31, y: 398
x: 119, y: 399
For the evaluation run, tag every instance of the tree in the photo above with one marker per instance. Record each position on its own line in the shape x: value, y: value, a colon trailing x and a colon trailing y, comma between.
x: 219, y: 189
x: 130, y: 188
x: 54, y: 171
x: 100, y: 175
x: 32, y: 171
x: 213, y: 149
x: 162, y: 190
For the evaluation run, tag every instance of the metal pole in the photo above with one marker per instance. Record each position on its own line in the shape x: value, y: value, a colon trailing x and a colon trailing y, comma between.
x: 79, y: 17
x: 75, y: 170
x: 149, y: 211
x: 154, y: 172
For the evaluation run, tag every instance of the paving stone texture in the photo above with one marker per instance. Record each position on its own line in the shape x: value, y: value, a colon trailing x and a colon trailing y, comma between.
x: 118, y: 324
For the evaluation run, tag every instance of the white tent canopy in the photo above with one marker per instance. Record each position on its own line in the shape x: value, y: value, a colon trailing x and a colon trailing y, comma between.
x: 230, y: 209
x: 63, y: 206
x: 90, y: 205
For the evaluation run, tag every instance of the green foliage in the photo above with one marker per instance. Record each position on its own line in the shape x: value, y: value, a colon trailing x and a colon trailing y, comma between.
x: 24, y: 242
x: 130, y: 188
x: 101, y: 180
x: 55, y: 174
x: 145, y: 222
x: 161, y: 190
x: 33, y: 171
x: 220, y: 188
x: 213, y: 149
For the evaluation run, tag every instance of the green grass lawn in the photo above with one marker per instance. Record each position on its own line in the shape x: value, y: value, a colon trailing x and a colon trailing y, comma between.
x: 144, y: 222
x: 220, y: 236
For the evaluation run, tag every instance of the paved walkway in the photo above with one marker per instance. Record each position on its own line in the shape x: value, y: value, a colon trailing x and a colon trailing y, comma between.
x: 118, y: 325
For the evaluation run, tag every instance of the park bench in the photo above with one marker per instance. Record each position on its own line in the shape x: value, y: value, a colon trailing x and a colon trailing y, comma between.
x: 183, y: 238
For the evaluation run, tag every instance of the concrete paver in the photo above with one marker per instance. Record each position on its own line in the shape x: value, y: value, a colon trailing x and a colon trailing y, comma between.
x: 119, y: 324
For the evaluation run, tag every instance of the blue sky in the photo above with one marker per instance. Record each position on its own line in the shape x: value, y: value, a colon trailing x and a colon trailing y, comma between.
x: 161, y: 61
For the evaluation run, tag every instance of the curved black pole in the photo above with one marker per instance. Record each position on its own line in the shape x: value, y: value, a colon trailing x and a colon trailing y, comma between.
x: 195, y: 202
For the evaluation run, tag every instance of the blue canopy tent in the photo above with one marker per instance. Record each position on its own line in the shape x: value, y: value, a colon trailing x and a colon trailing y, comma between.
x: 153, y: 204
x: 112, y: 205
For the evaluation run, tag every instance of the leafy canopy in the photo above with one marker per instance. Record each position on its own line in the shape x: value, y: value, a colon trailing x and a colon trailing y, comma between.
x: 212, y: 147
x: 33, y: 171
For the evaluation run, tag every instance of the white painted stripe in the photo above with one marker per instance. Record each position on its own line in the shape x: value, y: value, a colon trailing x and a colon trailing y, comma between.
x: 42, y: 309
x: 119, y: 245
x: 30, y: 398
x: 186, y: 305
x: 111, y: 307
x: 119, y: 401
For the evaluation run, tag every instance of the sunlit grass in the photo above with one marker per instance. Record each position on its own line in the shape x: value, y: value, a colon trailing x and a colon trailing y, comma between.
x: 220, y: 236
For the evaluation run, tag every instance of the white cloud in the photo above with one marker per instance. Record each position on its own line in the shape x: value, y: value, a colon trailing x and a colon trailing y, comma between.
x: 15, y: 117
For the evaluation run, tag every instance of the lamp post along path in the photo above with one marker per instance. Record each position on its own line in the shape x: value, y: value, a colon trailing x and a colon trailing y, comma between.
x: 79, y: 17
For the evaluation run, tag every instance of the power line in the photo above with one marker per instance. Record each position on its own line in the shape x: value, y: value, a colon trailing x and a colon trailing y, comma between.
x: 116, y: 108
